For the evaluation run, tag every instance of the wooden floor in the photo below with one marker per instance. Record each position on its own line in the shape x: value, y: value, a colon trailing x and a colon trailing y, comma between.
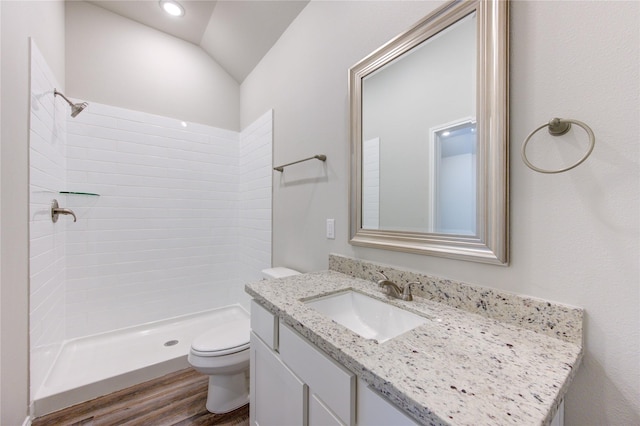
x: 175, y: 399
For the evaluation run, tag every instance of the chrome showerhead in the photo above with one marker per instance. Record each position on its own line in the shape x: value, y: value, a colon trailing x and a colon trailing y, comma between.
x: 75, y: 108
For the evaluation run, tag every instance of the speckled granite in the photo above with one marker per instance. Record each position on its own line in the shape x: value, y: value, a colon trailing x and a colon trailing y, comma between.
x: 457, y: 369
x: 552, y: 319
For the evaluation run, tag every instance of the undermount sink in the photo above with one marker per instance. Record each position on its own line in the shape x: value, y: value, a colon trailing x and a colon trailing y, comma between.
x: 366, y: 316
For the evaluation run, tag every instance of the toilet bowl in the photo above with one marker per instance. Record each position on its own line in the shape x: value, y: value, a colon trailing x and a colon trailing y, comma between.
x: 222, y: 353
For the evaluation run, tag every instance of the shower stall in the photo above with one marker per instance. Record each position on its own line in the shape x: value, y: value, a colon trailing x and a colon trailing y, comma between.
x: 172, y: 219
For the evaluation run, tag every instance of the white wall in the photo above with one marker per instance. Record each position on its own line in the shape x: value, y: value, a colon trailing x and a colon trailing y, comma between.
x: 119, y: 62
x: 574, y: 236
x: 44, y: 21
x: 304, y: 79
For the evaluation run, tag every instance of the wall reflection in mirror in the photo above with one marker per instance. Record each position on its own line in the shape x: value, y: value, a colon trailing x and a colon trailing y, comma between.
x: 418, y: 155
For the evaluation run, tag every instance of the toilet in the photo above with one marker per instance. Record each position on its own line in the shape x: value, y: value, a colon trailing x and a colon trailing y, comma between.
x: 222, y: 353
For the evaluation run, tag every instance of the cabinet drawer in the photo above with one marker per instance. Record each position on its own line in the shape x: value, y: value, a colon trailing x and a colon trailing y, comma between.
x: 264, y: 324
x: 332, y: 383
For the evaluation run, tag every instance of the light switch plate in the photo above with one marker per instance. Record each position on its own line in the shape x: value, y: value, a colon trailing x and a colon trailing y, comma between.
x: 331, y: 229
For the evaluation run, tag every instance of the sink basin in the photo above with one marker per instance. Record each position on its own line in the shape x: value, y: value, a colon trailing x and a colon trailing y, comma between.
x: 366, y: 316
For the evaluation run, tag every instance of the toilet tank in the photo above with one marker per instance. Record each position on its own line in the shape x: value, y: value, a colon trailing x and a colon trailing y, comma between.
x: 278, y: 272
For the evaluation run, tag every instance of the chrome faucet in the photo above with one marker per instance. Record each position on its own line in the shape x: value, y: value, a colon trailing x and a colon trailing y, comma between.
x: 393, y: 290
x: 56, y: 210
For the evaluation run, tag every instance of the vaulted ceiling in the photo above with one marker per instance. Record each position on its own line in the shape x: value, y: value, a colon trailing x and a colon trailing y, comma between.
x: 235, y: 33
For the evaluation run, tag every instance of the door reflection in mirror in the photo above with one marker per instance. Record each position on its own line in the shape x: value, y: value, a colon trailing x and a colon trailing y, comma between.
x: 454, y: 179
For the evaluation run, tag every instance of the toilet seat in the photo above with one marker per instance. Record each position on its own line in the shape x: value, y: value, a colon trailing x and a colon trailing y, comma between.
x: 222, y: 352
x: 224, y: 339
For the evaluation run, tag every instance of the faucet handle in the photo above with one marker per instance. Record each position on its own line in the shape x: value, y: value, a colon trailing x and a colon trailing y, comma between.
x: 384, y: 278
x: 406, y: 292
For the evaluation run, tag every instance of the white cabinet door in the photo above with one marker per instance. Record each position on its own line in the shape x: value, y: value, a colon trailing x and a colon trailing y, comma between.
x: 319, y: 414
x: 558, y: 420
x: 375, y: 410
x: 334, y: 385
x: 278, y: 397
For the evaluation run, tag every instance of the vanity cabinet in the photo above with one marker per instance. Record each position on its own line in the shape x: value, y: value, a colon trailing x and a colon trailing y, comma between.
x: 278, y: 397
x: 294, y: 383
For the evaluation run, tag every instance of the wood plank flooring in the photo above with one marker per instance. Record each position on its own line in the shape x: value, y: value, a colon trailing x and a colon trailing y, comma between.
x: 177, y: 399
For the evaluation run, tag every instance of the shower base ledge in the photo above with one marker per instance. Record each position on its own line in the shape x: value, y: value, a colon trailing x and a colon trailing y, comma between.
x: 100, y: 364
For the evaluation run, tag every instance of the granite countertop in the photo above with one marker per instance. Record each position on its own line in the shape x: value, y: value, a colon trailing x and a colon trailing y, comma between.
x: 459, y: 368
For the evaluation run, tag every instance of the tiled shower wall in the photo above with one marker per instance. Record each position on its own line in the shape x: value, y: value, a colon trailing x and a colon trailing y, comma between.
x: 255, y: 200
x: 47, y: 240
x: 163, y: 237
x: 163, y: 227
x: 173, y: 217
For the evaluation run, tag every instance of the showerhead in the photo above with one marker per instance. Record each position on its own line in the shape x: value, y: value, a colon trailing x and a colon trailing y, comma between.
x: 75, y: 108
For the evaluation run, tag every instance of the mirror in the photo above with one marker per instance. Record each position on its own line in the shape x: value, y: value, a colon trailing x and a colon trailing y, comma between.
x: 429, y: 137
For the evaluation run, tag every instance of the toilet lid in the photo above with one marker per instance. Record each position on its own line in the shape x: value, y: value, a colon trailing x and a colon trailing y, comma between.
x: 222, y: 339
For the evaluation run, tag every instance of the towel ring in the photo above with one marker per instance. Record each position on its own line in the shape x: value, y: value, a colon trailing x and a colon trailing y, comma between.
x: 558, y: 127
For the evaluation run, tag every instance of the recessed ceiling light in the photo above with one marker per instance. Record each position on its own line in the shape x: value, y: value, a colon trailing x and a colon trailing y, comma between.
x: 173, y: 8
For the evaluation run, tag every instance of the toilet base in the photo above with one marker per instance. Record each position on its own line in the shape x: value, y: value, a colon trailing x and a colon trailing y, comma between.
x: 227, y: 392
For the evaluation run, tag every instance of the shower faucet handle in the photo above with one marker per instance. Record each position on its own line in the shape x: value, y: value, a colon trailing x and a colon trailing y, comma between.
x: 56, y: 210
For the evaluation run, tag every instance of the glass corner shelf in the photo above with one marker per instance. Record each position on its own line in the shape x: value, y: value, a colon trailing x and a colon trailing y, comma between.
x: 90, y: 194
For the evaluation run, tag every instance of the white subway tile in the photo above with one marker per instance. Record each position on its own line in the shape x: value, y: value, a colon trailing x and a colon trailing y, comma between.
x: 166, y: 233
